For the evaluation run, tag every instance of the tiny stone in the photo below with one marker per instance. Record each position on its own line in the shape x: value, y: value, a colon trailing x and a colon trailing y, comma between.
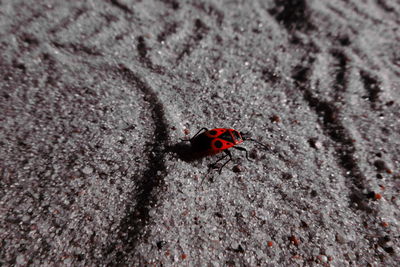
x: 238, y: 168
x: 294, y: 240
x: 315, y: 143
x: 21, y: 260
x: 25, y: 218
x: 328, y: 251
x: 314, y: 193
x: 318, y: 144
x: 323, y: 258
x: 68, y: 261
x: 351, y: 256
x: 381, y: 165
x: 287, y: 176
x: 254, y: 154
x: 389, y: 250
x: 340, y: 238
x: 87, y: 170
x: 275, y: 119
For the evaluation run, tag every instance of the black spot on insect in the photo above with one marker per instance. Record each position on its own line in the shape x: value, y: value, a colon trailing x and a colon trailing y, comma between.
x: 212, y: 132
x: 218, y: 144
x: 226, y: 136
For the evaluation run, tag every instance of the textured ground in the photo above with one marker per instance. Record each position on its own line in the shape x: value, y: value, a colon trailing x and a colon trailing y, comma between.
x: 95, y: 96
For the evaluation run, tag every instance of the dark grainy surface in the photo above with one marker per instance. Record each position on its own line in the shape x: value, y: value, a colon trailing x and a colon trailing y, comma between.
x: 94, y: 93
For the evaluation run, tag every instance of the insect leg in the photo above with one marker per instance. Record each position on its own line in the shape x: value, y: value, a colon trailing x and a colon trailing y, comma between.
x: 243, y: 149
x: 228, y: 153
x: 218, y: 160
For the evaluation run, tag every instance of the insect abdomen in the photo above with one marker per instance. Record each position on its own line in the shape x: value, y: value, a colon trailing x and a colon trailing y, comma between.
x: 201, y: 144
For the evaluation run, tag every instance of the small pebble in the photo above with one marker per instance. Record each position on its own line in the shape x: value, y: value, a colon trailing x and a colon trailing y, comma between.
x: 382, y: 166
x: 275, y: 119
x: 315, y: 143
x: 87, y: 170
x: 287, y: 176
x: 323, y: 258
x: 385, y: 224
x: 21, y: 260
x: 340, y: 238
x: 254, y: 154
x: 26, y: 218
x: 238, y: 168
x: 220, y: 94
x: 294, y: 240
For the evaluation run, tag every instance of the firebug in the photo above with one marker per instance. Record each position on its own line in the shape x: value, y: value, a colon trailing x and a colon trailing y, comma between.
x: 210, y: 142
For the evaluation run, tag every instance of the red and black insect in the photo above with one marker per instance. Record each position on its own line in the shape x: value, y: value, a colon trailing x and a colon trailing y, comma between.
x: 210, y: 142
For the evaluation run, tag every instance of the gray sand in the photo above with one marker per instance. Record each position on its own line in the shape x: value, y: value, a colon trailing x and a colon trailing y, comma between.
x: 96, y: 95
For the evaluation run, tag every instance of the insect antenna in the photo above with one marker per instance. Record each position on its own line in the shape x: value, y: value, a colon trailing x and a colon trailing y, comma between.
x: 261, y: 144
x: 247, y: 137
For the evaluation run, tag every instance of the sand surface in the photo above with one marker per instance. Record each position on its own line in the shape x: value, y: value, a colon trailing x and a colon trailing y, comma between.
x: 96, y: 95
